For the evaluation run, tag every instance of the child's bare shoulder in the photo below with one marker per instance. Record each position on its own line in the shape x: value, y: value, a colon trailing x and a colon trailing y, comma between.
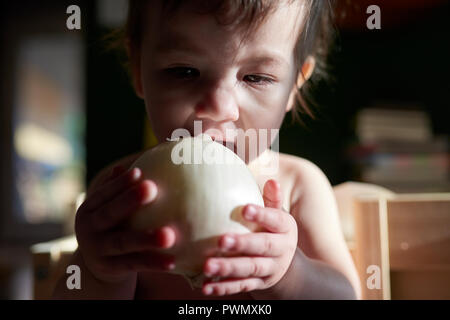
x: 303, y: 176
x: 298, y: 165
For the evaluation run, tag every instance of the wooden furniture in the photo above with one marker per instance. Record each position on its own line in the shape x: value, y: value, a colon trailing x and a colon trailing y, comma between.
x: 50, y: 261
x: 404, y: 240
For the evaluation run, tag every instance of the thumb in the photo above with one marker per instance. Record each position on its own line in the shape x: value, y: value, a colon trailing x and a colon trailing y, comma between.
x: 272, y: 194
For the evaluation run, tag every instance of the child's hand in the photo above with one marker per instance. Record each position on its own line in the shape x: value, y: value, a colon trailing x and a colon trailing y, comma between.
x: 260, y: 259
x: 111, y: 252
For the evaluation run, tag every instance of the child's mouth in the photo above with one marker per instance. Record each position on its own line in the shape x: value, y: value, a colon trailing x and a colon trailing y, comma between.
x: 234, y: 146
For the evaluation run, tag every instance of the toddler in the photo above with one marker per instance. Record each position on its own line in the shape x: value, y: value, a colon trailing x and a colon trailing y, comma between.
x: 233, y: 65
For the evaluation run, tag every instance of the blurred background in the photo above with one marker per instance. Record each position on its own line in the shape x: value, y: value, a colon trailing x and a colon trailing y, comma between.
x: 67, y: 110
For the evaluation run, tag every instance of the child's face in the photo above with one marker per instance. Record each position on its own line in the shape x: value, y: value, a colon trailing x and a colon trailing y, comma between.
x: 191, y: 68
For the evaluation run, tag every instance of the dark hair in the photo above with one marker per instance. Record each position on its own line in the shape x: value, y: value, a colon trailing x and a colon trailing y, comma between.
x: 249, y: 14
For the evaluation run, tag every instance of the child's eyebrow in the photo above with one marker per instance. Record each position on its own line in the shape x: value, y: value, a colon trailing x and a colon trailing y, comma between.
x: 266, y: 58
x: 175, y: 42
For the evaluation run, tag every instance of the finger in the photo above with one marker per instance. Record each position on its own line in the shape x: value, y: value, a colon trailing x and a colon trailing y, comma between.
x: 272, y: 194
x: 274, y: 220
x: 239, y: 267
x: 232, y: 286
x: 110, y: 189
x: 143, y: 261
x: 119, y: 243
x: 124, y: 205
x: 114, y: 173
x: 253, y: 244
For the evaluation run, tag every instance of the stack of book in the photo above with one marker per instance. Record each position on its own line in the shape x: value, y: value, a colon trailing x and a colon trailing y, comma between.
x: 397, y: 149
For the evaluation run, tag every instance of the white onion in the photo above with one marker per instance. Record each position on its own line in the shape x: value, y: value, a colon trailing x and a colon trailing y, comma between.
x: 202, y: 201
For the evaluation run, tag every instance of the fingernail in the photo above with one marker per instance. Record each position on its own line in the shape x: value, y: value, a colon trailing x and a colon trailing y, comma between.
x: 274, y: 184
x: 151, y: 195
x: 136, y: 174
x: 228, y: 242
x: 170, y: 266
x: 250, y: 213
x: 208, y: 290
x: 213, y: 268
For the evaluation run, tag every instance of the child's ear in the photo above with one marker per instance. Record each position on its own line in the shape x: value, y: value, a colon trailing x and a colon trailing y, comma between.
x: 135, y: 64
x: 306, y: 73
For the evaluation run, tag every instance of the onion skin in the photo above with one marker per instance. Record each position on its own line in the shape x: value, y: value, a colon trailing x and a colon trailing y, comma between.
x: 201, y: 201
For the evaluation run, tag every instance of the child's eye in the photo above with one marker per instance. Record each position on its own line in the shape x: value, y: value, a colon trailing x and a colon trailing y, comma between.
x: 258, y: 80
x: 182, y: 72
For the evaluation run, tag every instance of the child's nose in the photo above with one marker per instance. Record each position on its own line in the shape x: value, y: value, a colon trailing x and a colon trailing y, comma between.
x: 218, y: 104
